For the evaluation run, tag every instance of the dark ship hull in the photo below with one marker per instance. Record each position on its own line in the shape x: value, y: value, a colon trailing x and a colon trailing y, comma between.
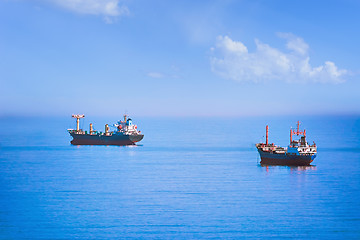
x: 98, y: 139
x: 269, y: 158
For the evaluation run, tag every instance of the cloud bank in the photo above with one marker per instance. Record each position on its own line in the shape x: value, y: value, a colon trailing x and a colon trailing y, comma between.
x: 232, y: 60
x: 109, y: 9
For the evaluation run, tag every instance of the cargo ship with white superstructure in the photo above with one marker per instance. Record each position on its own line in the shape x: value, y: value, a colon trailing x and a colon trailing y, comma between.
x: 126, y: 133
x: 298, y: 153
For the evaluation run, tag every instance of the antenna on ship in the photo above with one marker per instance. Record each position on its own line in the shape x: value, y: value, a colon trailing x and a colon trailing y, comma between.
x: 298, y: 132
x: 78, y: 116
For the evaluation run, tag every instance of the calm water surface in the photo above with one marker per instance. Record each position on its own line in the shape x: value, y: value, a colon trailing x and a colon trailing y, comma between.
x: 189, y: 179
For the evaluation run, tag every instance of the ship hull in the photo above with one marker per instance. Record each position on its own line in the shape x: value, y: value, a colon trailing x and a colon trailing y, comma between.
x: 119, y: 140
x: 284, y: 159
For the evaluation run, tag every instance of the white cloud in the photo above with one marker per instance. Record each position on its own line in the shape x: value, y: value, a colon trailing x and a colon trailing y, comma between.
x: 295, y: 43
x: 109, y: 9
x: 231, y: 59
x: 155, y: 75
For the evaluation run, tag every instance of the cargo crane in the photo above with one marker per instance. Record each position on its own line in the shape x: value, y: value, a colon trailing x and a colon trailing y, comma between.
x: 78, y: 116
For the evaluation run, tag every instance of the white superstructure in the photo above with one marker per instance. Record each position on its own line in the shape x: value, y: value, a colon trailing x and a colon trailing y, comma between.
x: 127, y: 127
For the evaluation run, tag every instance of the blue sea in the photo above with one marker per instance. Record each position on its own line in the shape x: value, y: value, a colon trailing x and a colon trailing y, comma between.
x: 190, y: 178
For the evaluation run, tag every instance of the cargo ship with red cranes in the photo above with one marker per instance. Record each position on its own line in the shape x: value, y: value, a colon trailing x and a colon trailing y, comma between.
x: 298, y: 153
x: 126, y: 133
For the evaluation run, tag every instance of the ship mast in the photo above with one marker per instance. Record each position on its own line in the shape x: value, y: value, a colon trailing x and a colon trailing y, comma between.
x: 78, y: 116
x: 298, y: 132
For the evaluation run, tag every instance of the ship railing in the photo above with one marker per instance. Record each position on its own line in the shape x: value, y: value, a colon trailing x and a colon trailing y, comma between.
x: 77, y: 131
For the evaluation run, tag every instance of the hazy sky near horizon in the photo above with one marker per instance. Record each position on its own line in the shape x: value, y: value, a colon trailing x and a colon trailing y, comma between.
x: 179, y: 58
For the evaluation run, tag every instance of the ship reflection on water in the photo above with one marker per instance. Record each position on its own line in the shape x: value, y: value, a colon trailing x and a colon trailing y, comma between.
x: 291, y: 168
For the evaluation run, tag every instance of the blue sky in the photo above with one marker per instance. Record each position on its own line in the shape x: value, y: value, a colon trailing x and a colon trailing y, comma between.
x: 179, y: 58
